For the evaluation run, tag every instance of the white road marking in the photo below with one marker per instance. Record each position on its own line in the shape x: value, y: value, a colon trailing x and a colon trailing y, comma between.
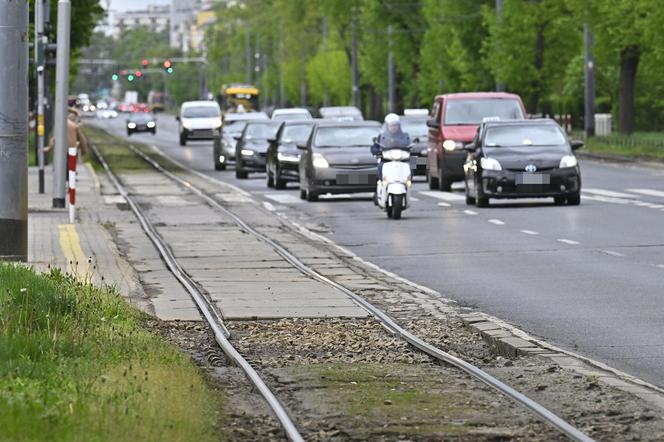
x: 469, y: 212
x: 530, y: 232
x: 649, y: 192
x: 568, y: 241
x: 612, y: 253
x: 661, y: 266
x: 269, y: 206
x: 283, y: 198
x: 114, y: 199
x: 412, y: 198
x: 608, y: 199
x: 442, y: 204
x: 609, y: 193
x: 497, y: 222
x: 445, y: 196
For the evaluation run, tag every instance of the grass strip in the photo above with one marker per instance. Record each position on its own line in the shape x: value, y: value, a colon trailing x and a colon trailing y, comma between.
x: 76, y: 364
x: 640, y: 145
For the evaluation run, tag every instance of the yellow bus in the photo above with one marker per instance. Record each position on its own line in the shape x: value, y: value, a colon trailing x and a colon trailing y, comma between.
x: 235, y: 95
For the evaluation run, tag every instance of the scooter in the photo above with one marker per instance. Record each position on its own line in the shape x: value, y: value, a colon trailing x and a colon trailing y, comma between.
x: 392, y: 187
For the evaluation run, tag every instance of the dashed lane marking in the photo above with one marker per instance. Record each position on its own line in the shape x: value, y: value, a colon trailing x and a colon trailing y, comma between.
x: 283, y: 198
x: 412, y: 198
x: 470, y: 212
x: 648, y: 192
x: 612, y: 253
x: 443, y: 204
x: 609, y: 193
x: 445, y: 196
x: 530, y: 232
x: 269, y: 206
x: 497, y: 222
x: 568, y: 241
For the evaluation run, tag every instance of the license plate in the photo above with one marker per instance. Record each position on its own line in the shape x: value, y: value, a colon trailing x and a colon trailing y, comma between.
x: 356, y: 178
x: 417, y: 161
x: 533, y: 178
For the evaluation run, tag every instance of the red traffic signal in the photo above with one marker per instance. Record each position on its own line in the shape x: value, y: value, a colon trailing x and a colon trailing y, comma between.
x: 144, y: 63
x: 167, y: 64
x: 139, y: 74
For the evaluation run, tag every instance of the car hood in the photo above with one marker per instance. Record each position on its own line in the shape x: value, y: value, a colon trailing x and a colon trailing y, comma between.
x: 464, y: 133
x: 256, y: 145
x: 289, y: 149
x: 517, y: 158
x: 359, y: 155
x: 202, y: 123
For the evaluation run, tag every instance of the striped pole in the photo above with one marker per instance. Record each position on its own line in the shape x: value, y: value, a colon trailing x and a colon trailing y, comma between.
x: 71, y: 154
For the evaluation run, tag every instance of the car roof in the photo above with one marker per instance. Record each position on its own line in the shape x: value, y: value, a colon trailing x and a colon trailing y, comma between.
x: 346, y: 110
x: 335, y: 123
x: 268, y: 122
x: 476, y: 95
x: 311, y: 121
x: 524, y: 122
x: 200, y: 103
x: 290, y: 110
x: 246, y: 116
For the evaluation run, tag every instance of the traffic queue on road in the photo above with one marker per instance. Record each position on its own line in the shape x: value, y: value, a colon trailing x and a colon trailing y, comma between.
x: 485, y: 140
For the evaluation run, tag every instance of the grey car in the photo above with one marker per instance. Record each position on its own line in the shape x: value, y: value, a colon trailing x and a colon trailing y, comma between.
x: 223, y: 149
x: 337, y: 159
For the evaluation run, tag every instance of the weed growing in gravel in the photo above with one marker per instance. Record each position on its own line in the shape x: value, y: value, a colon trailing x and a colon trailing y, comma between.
x: 76, y: 364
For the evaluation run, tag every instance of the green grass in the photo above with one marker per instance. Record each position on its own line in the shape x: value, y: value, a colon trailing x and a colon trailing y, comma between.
x: 114, y: 150
x: 76, y: 364
x: 640, y: 144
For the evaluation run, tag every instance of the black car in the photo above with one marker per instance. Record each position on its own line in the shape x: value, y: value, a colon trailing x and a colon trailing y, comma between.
x: 251, y: 147
x: 141, y: 122
x: 337, y: 159
x: 223, y: 149
x: 416, y: 128
x: 283, y: 155
x: 522, y: 159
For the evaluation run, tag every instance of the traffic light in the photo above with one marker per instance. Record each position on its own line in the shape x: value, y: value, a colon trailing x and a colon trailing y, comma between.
x: 130, y: 77
x: 144, y: 63
x: 114, y: 77
x: 139, y: 74
x: 168, y: 66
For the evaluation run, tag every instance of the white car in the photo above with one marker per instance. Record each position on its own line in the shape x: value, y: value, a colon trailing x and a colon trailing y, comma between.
x: 199, y: 120
x: 294, y: 113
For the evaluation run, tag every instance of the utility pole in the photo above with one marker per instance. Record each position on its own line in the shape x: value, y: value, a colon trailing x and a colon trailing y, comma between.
x: 391, y: 86
x: 355, y: 88
x: 500, y: 86
x: 326, y: 97
x: 282, y: 62
x: 247, y: 55
x: 257, y: 64
x: 589, y: 82
x: 40, y: 43
x: 61, y: 93
x: 14, y: 131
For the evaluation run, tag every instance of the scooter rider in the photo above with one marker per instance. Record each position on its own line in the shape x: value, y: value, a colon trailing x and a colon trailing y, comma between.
x: 391, y: 136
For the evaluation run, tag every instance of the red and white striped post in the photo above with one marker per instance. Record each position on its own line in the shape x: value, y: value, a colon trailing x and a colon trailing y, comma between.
x: 71, y: 154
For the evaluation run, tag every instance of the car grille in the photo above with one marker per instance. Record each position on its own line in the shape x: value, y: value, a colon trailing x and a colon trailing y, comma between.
x: 351, y: 166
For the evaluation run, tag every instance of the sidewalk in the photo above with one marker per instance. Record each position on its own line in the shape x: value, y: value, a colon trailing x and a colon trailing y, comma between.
x: 87, y: 248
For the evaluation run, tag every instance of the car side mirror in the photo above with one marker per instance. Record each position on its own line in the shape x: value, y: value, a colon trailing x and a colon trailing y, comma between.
x: 237, y: 137
x: 302, y: 146
x: 177, y: 118
x: 375, y: 140
x: 271, y: 140
x: 470, y: 147
x: 576, y: 144
x: 416, y: 140
x: 432, y: 122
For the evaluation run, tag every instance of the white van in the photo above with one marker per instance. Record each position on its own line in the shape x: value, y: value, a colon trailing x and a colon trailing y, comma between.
x: 199, y: 120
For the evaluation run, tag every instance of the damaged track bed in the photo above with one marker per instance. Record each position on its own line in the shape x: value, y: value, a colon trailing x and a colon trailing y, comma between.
x: 349, y: 378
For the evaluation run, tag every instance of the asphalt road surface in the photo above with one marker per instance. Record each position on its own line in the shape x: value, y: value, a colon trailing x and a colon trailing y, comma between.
x: 588, y: 278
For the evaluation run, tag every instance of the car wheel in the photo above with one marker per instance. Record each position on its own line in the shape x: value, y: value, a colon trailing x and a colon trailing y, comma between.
x: 268, y: 180
x: 303, y: 194
x: 239, y: 172
x: 574, y: 200
x: 397, y: 206
x: 433, y: 182
x: 279, y: 183
x: 183, y: 140
x: 480, y: 199
x: 154, y: 131
x: 129, y: 133
x: 312, y: 196
x: 444, y: 184
x: 470, y: 201
x: 219, y: 166
x: 559, y: 200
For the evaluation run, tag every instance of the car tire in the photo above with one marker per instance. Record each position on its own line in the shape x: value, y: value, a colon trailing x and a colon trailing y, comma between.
x: 397, y: 206
x: 444, y: 184
x: 219, y: 166
x: 183, y: 140
x: 129, y: 133
x: 279, y: 184
x: 433, y: 182
x: 574, y: 199
x: 470, y: 200
x: 303, y: 194
x: 559, y: 200
x: 268, y: 180
x: 481, y: 201
x: 312, y: 196
x: 154, y: 131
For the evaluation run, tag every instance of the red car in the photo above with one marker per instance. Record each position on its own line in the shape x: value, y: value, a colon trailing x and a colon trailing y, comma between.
x: 454, y: 122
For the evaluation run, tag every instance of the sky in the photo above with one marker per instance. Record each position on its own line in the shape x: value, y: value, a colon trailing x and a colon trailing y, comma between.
x: 123, y: 5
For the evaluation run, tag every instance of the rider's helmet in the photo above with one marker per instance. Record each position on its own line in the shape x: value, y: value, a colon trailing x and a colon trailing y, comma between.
x: 393, y: 122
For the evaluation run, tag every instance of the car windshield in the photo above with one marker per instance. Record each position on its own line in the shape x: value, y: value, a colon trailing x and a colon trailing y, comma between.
x: 530, y: 135
x: 263, y: 131
x: 296, y: 133
x: 415, y: 128
x: 141, y: 117
x: 346, y: 136
x: 467, y: 112
x: 234, y: 127
x: 200, y: 112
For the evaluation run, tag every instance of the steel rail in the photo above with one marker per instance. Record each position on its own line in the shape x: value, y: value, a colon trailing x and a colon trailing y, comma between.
x: 545, y: 414
x: 221, y: 334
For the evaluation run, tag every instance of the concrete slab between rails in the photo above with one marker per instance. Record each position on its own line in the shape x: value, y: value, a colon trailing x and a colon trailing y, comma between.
x: 504, y: 341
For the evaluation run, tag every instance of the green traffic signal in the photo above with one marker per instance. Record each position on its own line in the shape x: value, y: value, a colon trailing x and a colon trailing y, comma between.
x: 130, y: 77
x: 114, y: 77
x: 169, y: 70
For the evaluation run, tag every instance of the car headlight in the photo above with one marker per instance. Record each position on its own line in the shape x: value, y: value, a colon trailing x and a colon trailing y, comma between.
x: 396, y: 155
x: 320, y: 162
x: 151, y: 124
x: 217, y: 124
x: 451, y: 145
x: 424, y: 152
x: 288, y: 158
x: 568, y: 161
x: 247, y: 152
x: 490, y: 164
x: 131, y: 125
x: 186, y: 125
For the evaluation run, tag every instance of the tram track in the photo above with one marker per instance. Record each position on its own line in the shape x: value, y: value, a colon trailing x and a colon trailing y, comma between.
x: 222, y: 335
